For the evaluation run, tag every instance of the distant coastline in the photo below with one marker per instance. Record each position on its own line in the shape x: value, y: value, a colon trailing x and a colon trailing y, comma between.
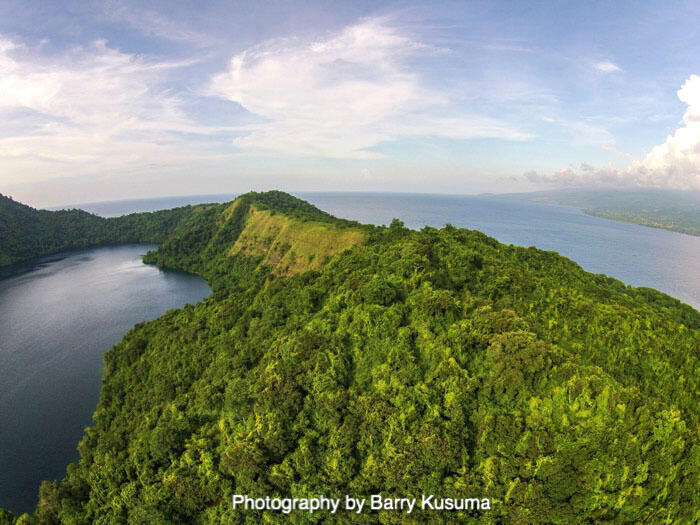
x: 670, y: 210
x: 650, y: 220
x: 673, y: 210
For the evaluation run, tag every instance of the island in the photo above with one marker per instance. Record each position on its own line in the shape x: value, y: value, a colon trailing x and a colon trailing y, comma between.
x: 339, y: 359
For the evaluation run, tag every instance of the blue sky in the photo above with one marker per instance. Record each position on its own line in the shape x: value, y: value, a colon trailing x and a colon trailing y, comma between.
x: 109, y: 100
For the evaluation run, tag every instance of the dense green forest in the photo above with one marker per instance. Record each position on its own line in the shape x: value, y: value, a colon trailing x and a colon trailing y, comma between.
x: 393, y: 362
x: 674, y: 210
x: 26, y: 233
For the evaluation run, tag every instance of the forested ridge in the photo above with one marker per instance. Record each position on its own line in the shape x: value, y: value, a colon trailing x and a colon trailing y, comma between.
x: 26, y: 233
x: 392, y: 361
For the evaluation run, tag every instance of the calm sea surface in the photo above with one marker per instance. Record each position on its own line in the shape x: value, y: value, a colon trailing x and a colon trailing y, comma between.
x: 57, y: 317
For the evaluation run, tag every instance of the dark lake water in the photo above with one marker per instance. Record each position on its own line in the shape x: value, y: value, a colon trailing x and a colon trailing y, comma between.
x: 58, y: 315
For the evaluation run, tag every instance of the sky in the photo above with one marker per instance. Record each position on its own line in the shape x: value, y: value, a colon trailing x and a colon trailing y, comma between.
x: 114, y: 99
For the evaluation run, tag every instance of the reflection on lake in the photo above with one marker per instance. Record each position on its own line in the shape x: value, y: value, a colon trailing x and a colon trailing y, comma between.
x: 58, y: 316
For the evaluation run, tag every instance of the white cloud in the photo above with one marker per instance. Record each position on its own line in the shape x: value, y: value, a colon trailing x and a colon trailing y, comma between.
x: 673, y: 164
x: 676, y: 162
x: 607, y: 67
x: 342, y: 95
x: 91, y: 109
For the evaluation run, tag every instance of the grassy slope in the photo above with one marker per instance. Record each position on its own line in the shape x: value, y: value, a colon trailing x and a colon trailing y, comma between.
x: 271, y: 229
x: 437, y: 361
x: 292, y: 246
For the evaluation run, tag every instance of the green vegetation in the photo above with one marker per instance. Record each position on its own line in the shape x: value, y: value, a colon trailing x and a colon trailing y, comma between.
x: 289, y: 245
x: 26, y: 233
x: 6, y: 518
x: 414, y: 362
x: 673, y: 210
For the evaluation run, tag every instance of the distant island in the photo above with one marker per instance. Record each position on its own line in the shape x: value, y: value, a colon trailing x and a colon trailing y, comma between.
x: 335, y: 358
x: 674, y: 210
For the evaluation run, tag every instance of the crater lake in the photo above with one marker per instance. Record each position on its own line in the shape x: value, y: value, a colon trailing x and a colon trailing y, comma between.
x: 58, y: 315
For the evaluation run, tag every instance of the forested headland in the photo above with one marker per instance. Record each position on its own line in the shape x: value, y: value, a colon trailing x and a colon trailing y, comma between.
x: 27, y: 233
x: 337, y: 358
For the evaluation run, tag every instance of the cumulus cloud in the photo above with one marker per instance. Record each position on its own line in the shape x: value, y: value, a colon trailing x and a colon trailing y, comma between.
x: 673, y: 164
x: 344, y: 94
x: 91, y: 109
x: 676, y: 162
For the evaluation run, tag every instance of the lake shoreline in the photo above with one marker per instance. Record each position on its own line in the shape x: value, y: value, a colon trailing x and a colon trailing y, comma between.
x: 58, y: 315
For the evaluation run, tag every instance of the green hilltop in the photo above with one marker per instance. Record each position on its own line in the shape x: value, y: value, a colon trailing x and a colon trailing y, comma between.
x: 337, y: 358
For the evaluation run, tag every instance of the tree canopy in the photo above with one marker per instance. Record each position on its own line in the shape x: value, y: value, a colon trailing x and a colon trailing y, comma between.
x: 26, y: 233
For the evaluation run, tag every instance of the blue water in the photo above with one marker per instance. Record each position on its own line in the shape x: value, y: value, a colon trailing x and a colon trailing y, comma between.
x: 58, y: 315
x: 637, y: 255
